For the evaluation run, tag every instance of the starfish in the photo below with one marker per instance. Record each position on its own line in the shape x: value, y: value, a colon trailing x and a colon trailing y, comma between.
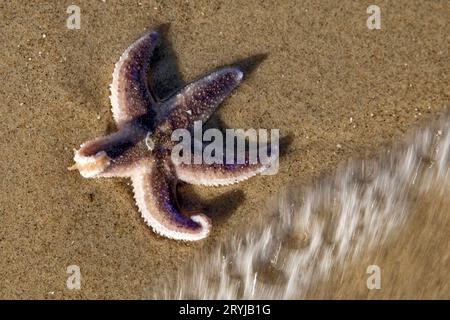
x: 139, y: 115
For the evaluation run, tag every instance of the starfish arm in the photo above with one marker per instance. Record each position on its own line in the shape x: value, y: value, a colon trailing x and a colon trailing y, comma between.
x: 219, y: 174
x: 198, y: 100
x: 130, y: 95
x: 110, y: 156
x: 155, y: 194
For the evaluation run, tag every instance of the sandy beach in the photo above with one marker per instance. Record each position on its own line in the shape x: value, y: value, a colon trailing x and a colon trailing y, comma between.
x: 334, y: 88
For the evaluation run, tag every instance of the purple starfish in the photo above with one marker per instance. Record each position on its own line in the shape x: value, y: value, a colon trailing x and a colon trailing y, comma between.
x: 140, y: 116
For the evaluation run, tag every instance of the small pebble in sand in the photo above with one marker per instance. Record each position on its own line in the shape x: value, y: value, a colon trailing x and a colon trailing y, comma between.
x: 44, y: 36
x: 339, y: 146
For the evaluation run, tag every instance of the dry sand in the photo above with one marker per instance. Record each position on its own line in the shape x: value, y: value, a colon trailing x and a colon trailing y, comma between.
x: 323, y: 68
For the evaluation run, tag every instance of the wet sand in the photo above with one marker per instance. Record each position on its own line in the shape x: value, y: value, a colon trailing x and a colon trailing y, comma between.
x: 335, y: 89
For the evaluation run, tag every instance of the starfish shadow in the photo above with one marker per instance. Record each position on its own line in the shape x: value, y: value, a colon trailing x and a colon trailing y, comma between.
x: 219, y: 208
x: 164, y: 77
x: 285, y: 142
x: 248, y: 65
